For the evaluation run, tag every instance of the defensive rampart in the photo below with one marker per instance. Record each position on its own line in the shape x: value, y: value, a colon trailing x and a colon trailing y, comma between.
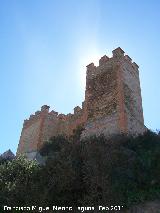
x: 112, y: 105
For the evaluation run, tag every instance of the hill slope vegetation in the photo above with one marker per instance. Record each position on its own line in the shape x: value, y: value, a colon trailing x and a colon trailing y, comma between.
x: 122, y: 170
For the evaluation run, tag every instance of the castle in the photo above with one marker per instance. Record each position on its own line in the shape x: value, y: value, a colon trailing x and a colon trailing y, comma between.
x: 112, y: 105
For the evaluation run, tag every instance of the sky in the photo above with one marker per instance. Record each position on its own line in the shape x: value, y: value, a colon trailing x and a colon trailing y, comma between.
x: 45, y: 46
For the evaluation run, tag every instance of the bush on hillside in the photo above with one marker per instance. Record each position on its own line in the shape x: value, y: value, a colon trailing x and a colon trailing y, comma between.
x: 122, y: 170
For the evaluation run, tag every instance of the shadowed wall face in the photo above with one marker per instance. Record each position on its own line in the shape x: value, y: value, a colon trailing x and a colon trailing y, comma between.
x: 101, y: 99
x: 101, y: 94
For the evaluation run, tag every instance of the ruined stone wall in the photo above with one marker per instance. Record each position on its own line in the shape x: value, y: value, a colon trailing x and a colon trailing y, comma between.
x: 112, y: 105
x: 29, y: 137
x: 101, y: 93
x: 79, y: 118
x: 60, y: 124
x: 44, y: 125
x: 113, y: 96
x: 50, y: 127
x: 101, y: 98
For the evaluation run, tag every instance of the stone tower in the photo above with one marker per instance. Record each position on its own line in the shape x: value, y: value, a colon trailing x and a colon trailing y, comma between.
x: 113, y: 96
x: 112, y: 105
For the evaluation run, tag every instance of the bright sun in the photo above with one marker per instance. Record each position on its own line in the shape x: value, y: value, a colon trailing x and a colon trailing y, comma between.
x: 87, y: 58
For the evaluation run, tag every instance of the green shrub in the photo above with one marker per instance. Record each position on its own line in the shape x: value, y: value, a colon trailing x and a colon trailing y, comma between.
x: 121, y: 170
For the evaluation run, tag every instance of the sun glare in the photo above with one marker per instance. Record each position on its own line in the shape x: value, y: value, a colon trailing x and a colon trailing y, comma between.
x: 87, y: 58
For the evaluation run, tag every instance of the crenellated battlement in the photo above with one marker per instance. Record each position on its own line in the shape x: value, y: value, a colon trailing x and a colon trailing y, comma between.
x: 118, y: 56
x: 103, y: 60
x: 112, y: 105
x: 128, y: 59
x: 77, y: 111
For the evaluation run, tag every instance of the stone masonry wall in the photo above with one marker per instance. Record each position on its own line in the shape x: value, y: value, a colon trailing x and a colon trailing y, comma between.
x: 133, y: 100
x: 112, y: 105
x: 29, y: 138
x: 44, y: 124
x: 100, y: 97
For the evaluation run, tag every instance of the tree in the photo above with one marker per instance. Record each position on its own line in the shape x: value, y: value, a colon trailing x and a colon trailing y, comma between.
x: 15, y: 181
